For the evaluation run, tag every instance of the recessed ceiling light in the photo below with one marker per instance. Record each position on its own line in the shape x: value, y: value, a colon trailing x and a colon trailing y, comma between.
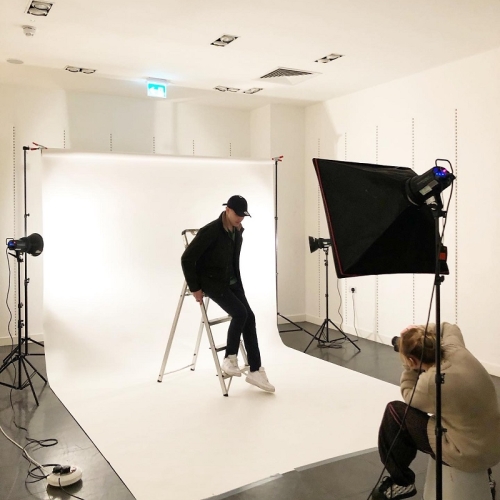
x: 232, y: 89
x: 252, y: 91
x: 75, y: 69
x: 328, y: 58
x: 36, y: 8
x: 220, y: 88
x: 224, y: 40
x: 15, y: 61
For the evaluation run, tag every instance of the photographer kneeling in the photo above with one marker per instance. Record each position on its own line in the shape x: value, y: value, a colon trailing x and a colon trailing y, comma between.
x: 469, y: 411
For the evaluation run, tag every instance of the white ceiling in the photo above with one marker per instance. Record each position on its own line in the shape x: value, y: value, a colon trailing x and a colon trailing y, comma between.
x: 127, y: 41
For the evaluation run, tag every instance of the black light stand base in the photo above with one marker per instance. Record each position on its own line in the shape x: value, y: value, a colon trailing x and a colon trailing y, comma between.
x: 298, y: 329
x: 326, y: 341
x: 18, y: 356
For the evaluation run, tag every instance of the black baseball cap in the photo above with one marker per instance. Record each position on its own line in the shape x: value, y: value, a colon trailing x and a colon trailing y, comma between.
x: 239, y: 205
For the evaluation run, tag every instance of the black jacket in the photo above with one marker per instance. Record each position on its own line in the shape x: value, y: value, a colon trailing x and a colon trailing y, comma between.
x: 206, y: 262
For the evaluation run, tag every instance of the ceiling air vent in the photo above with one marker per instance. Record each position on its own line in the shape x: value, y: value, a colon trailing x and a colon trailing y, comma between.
x: 288, y: 76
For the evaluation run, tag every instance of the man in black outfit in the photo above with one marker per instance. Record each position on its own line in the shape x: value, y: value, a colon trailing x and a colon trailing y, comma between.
x: 211, y: 266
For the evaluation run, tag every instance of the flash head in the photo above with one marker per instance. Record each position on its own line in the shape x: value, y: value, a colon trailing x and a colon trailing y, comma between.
x: 315, y: 243
x: 32, y: 244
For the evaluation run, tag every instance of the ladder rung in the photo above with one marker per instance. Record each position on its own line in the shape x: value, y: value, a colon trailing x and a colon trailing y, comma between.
x: 245, y: 370
x: 219, y: 348
x: 216, y: 321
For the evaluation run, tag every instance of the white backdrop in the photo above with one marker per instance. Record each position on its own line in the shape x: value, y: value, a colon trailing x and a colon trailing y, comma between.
x: 112, y: 274
x: 112, y: 280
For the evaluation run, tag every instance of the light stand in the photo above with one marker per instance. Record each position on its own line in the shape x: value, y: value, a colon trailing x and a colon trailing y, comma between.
x: 324, y: 328
x: 438, y: 212
x: 427, y: 187
x: 298, y: 328
x: 32, y: 244
x: 385, y: 220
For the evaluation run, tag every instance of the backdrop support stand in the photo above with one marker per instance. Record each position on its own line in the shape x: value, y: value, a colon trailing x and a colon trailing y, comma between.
x: 324, y: 328
x: 21, y: 352
x: 298, y: 328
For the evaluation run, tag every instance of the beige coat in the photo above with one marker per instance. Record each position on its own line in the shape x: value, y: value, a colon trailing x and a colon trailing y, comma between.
x: 469, y: 408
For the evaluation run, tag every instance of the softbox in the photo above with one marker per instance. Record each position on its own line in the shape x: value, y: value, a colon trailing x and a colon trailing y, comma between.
x: 373, y: 226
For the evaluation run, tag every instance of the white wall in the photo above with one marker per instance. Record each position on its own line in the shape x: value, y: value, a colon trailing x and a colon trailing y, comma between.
x: 100, y: 123
x: 449, y: 112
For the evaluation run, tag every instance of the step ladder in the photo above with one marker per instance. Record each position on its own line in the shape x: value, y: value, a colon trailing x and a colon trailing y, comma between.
x: 204, y: 323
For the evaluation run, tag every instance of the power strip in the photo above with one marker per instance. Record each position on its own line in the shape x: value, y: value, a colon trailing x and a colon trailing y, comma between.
x: 64, y: 475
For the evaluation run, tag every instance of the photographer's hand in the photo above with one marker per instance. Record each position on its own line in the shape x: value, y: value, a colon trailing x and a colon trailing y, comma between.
x: 413, y: 364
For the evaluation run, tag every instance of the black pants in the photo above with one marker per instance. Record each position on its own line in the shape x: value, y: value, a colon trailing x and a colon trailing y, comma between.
x: 413, y: 437
x: 234, y: 302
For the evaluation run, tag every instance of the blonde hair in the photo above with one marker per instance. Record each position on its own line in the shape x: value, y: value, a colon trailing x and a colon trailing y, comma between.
x: 415, y: 342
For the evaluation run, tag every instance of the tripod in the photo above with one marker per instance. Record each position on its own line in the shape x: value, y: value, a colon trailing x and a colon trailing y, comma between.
x: 19, y: 354
x: 323, y: 330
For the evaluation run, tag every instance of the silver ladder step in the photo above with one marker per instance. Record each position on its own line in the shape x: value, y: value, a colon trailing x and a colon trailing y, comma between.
x: 217, y: 321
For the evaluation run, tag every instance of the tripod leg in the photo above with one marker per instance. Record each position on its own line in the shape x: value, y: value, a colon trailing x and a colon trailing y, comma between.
x: 35, y: 370
x: 298, y: 329
x: 8, y: 358
x: 35, y: 342
x: 317, y: 335
x: 344, y: 336
x: 28, y: 380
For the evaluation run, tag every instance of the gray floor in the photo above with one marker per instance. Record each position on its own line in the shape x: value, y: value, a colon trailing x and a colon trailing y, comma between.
x: 348, y: 478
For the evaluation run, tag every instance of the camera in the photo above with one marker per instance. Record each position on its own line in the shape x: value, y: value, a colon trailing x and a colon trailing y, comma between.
x: 395, y: 343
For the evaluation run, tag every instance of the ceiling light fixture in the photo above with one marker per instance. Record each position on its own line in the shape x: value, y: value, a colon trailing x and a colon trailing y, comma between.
x: 253, y: 90
x: 29, y: 30
x: 328, y: 58
x: 221, y: 88
x: 75, y: 69
x: 224, y: 40
x: 39, y: 9
x: 15, y: 61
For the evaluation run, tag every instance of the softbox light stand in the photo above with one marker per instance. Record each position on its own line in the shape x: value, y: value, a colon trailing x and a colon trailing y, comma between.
x: 385, y: 220
x: 297, y: 328
x: 21, y: 352
x: 438, y: 212
x: 322, y: 335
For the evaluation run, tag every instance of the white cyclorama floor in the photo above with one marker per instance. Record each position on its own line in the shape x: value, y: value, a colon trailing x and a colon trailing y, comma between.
x: 106, y: 329
x: 181, y: 439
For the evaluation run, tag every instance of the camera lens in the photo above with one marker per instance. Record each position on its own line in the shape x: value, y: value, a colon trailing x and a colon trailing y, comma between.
x: 395, y: 343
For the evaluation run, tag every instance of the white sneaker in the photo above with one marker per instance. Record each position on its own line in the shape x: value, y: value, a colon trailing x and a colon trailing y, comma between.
x: 230, y: 366
x: 259, y: 379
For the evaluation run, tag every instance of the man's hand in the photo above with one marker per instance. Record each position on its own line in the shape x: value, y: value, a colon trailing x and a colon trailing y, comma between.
x: 198, y: 295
